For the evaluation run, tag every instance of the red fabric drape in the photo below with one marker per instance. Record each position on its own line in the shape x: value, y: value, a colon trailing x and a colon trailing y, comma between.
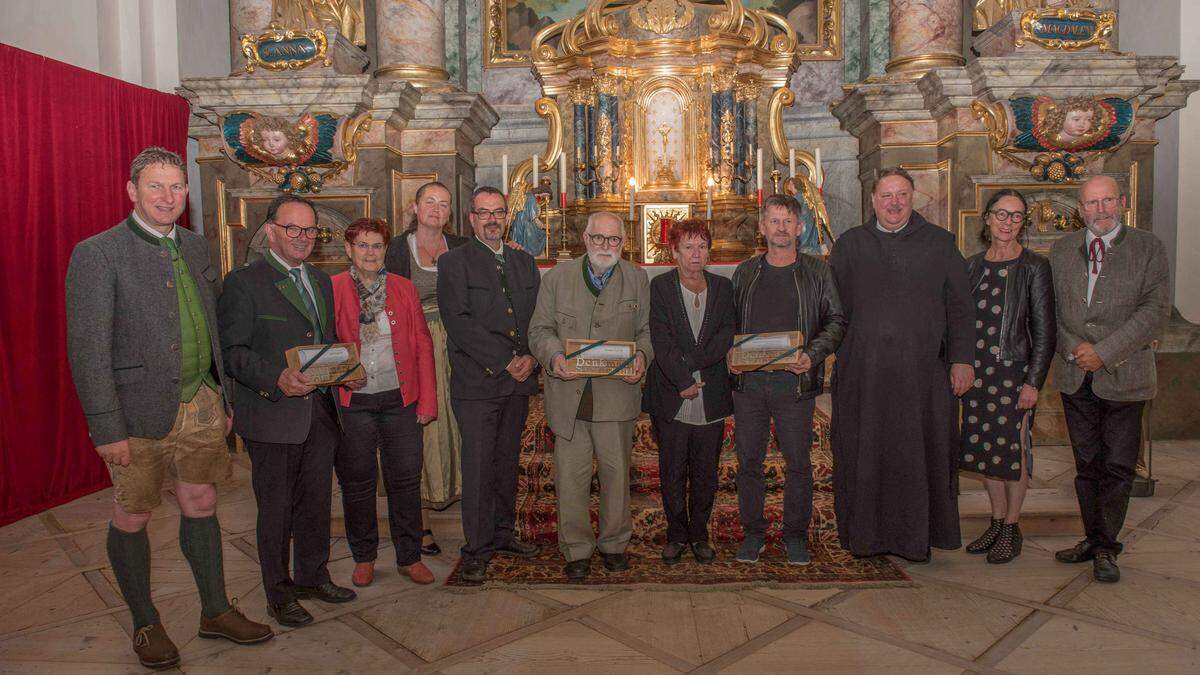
x: 67, y: 136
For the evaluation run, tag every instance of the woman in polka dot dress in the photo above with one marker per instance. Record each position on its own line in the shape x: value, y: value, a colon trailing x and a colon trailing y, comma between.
x: 1015, y: 332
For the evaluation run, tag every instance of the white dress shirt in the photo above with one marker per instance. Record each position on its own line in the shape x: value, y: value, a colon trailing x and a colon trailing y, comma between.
x: 1099, y: 266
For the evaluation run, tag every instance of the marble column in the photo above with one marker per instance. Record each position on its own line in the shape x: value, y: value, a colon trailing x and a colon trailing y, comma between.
x: 245, y: 17
x: 411, y: 39
x: 925, y: 34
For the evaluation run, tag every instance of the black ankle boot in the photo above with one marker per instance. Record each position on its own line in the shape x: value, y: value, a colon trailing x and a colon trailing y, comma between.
x: 988, y: 539
x: 1008, y: 544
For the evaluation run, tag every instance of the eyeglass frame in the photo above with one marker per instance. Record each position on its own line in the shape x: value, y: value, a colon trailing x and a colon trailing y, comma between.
x: 1007, y: 217
x: 308, y: 232
x: 482, y: 214
x: 1096, y: 203
x: 611, y: 240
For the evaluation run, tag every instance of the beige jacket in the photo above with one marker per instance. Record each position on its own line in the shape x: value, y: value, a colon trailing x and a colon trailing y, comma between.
x: 567, y: 309
x: 1129, y: 309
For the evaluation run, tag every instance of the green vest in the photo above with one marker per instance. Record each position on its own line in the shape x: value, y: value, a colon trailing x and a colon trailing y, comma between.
x: 195, y: 347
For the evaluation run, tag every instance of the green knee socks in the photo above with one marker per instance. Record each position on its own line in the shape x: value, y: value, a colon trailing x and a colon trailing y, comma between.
x: 129, y: 554
x: 200, y: 540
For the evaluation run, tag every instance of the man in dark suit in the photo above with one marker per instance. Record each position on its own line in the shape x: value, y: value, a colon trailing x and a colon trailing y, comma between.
x: 142, y: 342
x: 290, y: 427
x: 1111, y: 284
x: 486, y: 296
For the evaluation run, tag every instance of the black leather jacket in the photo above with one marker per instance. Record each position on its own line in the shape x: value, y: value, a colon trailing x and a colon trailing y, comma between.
x: 1028, y: 328
x: 819, y: 316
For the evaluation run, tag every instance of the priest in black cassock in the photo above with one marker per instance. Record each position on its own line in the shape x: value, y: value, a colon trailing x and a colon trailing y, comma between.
x: 906, y: 356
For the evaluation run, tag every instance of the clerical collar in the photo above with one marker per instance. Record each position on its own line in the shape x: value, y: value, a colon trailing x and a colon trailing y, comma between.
x: 153, y: 232
x: 498, y: 253
x: 884, y: 230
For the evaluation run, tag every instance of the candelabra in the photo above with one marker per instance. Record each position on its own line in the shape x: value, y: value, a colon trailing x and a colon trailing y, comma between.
x: 746, y: 179
x: 607, y: 184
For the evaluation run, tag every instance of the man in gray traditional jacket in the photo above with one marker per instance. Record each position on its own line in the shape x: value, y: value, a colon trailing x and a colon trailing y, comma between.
x: 1111, y: 289
x: 143, y: 348
x: 597, y: 296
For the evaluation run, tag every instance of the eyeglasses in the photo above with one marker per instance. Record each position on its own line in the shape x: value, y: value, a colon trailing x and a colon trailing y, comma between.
x: 484, y: 214
x: 1015, y: 217
x: 611, y: 241
x: 1094, y: 204
x: 363, y: 247
x: 294, y: 231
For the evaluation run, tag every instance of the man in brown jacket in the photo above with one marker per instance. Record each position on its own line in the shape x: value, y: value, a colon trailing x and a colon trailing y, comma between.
x: 597, y: 296
x: 1111, y: 290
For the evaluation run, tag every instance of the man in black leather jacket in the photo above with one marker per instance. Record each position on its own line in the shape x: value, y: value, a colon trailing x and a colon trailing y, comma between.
x: 764, y: 286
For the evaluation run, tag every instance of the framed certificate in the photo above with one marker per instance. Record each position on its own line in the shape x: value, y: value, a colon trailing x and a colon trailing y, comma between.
x: 326, y: 364
x: 601, y: 358
x: 766, y: 351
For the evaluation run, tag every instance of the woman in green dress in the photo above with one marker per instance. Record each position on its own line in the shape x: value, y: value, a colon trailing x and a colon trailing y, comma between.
x: 413, y: 255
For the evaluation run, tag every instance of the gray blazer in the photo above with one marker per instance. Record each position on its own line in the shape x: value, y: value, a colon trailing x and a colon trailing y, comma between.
x: 123, y: 332
x: 567, y: 309
x: 1129, y: 309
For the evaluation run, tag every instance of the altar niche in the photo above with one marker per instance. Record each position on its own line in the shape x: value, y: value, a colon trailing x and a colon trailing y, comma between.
x: 659, y: 105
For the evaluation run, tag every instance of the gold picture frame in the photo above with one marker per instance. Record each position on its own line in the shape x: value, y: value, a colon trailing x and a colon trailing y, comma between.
x: 648, y: 232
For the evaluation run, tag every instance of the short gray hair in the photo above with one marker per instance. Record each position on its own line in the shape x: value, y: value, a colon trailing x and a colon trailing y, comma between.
x: 604, y: 214
x: 155, y: 155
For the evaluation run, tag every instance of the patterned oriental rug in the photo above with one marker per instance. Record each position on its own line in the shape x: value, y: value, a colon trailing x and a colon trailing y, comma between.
x: 537, y: 522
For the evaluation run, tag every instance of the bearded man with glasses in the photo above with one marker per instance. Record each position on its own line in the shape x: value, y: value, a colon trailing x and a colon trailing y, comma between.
x: 486, y: 292
x: 598, y: 296
x: 290, y: 426
x: 1112, y: 288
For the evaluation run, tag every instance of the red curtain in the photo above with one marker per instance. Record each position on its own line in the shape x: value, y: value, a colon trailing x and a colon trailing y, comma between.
x: 67, y: 137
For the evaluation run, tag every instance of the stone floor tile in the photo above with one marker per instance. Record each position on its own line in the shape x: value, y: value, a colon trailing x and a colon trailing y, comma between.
x: 1066, y: 645
x: 1147, y: 601
x: 1034, y: 575
x: 820, y: 648
x: 801, y: 596
x: 100, y: 641
x: 572, y: 597
x: 435, y: 625
x: 694, y: 626
x: 67, y: 599
x: 954, y: 621
x: 1183, y: 521
x: 327, y: 646
x: 566, y: 647
x: 1154, y: 541
x: 1183, y: 564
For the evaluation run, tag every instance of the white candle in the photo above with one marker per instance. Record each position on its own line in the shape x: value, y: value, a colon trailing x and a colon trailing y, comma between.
x: 758, y: 166
x: 632, y: 199
x: 820, y: 172
x: 792, y: 162
x: 708, y: 200
x: 504, y: 174
x: 562, y: 180
x: 535, y: 171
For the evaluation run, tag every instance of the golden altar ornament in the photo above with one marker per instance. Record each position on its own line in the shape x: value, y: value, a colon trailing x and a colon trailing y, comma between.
x: 697, y: 101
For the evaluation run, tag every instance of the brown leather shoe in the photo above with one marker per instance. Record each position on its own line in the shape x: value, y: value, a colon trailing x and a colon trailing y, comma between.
x: 364, y: 574
x: 418, y: 572
x: 235, y: 627
x: 153, y: 648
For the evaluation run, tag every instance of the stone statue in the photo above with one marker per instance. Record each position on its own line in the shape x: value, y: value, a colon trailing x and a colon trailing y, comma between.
x: 344, y: 15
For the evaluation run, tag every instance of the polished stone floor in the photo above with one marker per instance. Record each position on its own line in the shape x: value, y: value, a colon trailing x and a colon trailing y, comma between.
x: 60, y: 611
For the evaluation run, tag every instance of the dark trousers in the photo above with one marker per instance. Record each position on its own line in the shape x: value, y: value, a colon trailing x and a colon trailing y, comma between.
x: 293, y: 487
x: 754, y: 409
x: 687, y: 468
x: 381, y: 423
x: 491, y: 448
x: 1105, y: 437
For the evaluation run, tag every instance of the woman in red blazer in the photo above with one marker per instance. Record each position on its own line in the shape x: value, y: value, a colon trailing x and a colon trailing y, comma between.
x: 381, y: 313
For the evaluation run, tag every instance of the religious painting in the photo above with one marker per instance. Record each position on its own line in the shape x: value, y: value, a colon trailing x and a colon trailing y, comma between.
x: 511, y: 25
x: 817, y: 23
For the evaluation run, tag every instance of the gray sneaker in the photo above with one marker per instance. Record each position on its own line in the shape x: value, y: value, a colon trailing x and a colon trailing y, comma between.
x: 749, y: 549
x: 797, y: 551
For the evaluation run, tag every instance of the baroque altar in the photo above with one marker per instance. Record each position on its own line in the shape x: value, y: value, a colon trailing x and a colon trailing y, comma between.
x: 660, y: 110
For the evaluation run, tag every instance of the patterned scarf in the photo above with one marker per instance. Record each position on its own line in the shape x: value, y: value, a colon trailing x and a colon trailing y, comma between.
x: 371, y: 301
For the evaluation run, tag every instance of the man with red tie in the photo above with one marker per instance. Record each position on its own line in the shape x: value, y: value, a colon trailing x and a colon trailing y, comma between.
x: 1111, y: 288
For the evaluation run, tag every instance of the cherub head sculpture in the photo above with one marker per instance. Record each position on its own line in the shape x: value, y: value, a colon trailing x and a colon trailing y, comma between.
x: 1075, y: 123
x: 276, y: 138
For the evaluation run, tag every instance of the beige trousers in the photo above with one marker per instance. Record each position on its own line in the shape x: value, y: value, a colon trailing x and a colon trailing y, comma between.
x: 611, y: 445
